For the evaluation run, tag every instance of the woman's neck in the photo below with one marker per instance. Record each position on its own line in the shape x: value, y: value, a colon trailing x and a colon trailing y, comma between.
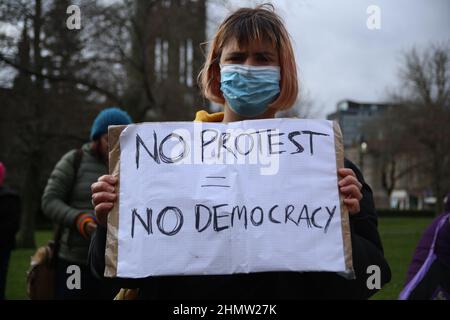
x: 230, y: 116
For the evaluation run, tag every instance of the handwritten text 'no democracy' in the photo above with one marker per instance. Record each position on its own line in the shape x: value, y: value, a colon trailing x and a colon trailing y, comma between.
x: 224, y: 216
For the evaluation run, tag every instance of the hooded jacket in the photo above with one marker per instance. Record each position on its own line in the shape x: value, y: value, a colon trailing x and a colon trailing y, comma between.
x: 66, y: 196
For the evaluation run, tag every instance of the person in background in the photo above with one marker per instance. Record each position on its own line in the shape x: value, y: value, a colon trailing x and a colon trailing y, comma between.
x: 9, y: 225
x: 251, y: 71
x: 428, y: 276
x: 67, y: 202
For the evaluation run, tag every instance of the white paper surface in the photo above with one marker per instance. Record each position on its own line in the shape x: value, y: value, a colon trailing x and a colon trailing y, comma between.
x: 180, y: 241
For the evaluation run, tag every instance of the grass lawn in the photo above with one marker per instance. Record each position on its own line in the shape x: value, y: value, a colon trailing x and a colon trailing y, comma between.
x: 18, y: 266
x: 399, y: 236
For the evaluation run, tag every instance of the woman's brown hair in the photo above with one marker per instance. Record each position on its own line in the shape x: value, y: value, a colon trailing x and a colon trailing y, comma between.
x: 246, y: 25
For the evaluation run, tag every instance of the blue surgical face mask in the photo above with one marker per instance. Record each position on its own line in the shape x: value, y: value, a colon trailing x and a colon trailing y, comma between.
x: 249, y: 90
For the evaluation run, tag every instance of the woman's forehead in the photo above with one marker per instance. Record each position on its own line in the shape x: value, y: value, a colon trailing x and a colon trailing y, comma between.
x: 253, y: 45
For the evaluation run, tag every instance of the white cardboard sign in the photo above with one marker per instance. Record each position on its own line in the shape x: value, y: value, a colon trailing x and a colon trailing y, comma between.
x: 214, y: 198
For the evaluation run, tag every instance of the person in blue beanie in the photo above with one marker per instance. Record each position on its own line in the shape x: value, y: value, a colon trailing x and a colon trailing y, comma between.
x: 108, y: 117
x: 67, y: 202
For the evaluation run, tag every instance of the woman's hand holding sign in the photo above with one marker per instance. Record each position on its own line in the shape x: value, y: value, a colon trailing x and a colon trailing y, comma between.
x: 103, y: 197
x: 350, y: 188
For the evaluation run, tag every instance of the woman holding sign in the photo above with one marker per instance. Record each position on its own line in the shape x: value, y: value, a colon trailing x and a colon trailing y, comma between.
x: 251, y: 71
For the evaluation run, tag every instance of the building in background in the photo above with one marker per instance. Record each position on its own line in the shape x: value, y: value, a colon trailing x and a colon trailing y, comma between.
x: 172, y: 33
x: 352, y: 116
x: 411, y: 188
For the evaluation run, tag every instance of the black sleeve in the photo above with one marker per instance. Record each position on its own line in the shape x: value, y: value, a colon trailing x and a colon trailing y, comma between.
x: 365, y: 223
x: 332, y: 286
x: 366, y: 243
x: 97, y: 262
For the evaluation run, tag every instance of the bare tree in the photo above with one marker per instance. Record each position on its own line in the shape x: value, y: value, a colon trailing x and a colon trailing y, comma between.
x: 385, y: 136
x: 43, y: 60
x: 52, y: 72
x: 417, y: 127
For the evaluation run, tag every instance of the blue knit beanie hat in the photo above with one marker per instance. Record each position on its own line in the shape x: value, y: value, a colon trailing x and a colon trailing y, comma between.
x: 108, y: 117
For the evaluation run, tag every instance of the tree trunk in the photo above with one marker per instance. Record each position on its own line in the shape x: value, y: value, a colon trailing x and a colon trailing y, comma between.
x: 31, y: 204
x: 37, y: 27
x: 389, y: 180
x: 31, y: 190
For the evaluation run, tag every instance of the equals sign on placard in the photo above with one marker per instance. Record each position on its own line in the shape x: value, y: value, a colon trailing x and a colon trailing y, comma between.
x: 216, y: 182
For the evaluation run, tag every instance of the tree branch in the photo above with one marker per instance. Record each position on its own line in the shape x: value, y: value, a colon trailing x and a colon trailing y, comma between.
x: 92, y: 86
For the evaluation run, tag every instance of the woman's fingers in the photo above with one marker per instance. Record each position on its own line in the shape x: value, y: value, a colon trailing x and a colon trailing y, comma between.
x: 103, y: 197
x: 108, y: 179
x: 351, y: 190
x: 350, y: 187
x: 352, y: 205
x: 343, y: 172
x: 350, y: 180
x: 102, y: 187
x: 100, y: 197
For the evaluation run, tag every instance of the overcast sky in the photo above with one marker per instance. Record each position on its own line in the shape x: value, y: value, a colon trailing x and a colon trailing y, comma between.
x: 339, y: 57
